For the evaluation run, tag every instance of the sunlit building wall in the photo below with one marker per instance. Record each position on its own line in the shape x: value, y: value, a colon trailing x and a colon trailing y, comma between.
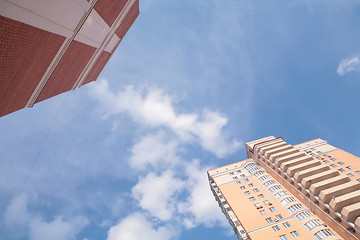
x: 305, y: 191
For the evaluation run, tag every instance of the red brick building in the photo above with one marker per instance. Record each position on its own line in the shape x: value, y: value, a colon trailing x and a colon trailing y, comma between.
x: 48, y: 47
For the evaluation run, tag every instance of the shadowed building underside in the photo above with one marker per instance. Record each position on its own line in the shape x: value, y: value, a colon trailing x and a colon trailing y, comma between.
x: 50, y: 47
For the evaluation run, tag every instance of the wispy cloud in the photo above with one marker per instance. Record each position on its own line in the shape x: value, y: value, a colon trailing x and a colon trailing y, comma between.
x: 157, y: 194
x: 199, y: 207
x: 155, y: 150
x: 348, y: 65
x: 136, y: 226
x: 155, y: 108
x: 172, y: 190
x: 59, y: 228
x: 175, y: 195
x: 168, y: 200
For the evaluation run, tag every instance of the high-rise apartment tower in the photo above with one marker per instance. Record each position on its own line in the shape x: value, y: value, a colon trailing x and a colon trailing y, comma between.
x: 48, y: 47
x: 305, y: 191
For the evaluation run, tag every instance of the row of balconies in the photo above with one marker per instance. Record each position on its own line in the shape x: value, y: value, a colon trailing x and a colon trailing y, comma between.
x: 315, y: 229
x: 334, y: 193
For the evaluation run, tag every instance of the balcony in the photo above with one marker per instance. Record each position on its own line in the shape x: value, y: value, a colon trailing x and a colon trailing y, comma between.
x: 265, y: 148
x: 292, y: 170
x: 284, y: 166
x: 306, y: 182
x: 331, y: 182
x: 283, y: 154
x: 311, y: 171
x: 338, y: 203
x: 290, y: 157
x: 350, y: 213
x: 273, y: 151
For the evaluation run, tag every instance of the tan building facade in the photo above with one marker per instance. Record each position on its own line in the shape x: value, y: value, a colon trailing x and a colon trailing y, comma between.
x: 305, y: 191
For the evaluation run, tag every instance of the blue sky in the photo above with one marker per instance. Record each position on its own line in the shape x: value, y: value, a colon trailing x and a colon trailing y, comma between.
x: 192, y: 81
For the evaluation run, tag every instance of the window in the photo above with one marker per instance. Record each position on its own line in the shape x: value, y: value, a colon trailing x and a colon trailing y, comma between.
x: 312, y: 154
x: 272, y: 209
x: 349, y: 167
x: 263, y: 178
x: 286, y: 224
x: 217, y: 191
x: 228, y: 209
x: 325, y: 155
x: 235, y: 178
x: 224, y: 202
x: 333, y: 165
x: 260, y: 195
x: 333, y: 159
x: 252, y: 199
x: 287, y: 200
x: 221, y: 197
x: 257, y: 205
x: 295, y: 207
x: 239, y: 171
x: 284, y: 237
x: 242, y: 231
x: 246, y: 180
x: 276, y: 228
x: 350, y: 174
x: 266, y: 202
x: 259, y: 173
x: 247, y: 193
x: 303, y: 215
x: 279, y: 216
x: 242, y: 187
x: 242, y: 175
x: 326, y: 161
x: 294, y: 234
x: 282, y: 193
x: 263, y: 212
x: 274, y: 188
x: 231, y: 173
x: 269, y: 183
x: 238, y: 182
x: 341, y: 170
x: 358, y: 172
x: 358, y: 179
x: 313, y: 223
x: 269, y: 220
x: 256, y: 190
x: 251, y: 185
x: 340, y: 163
x: 318, y: 157
x: 323, y: 233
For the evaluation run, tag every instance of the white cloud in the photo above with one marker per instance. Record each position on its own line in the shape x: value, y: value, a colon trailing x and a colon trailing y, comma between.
x: 136, y: 227
x: 200, y: 207
x: 182, y: 199
x: 348, y: 65
x: 58, y: 229
x: 154, y: 150
x: 156, y: 194
x: 156, y: 109
x: 211, y: 136
x: 17, y: 214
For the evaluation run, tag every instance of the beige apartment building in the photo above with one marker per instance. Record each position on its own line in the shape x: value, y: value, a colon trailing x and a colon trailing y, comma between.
x: 306, y: 191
